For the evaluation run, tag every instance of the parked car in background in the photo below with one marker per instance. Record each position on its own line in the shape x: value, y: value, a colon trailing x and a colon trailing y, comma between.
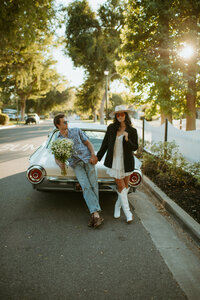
x: 32, y: 118
x: 43, y: 117
x: 9, y: 111
x: 12, y: 116
x: 44, y: 174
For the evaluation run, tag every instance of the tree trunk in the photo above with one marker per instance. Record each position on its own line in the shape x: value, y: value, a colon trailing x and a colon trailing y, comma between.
x: 164, y: 71
x: 101, y: 111
x: 166, y: 116
x: 23, y: 105
x: 191, y: 106
x: 95, y: 115
x: 192, y: 72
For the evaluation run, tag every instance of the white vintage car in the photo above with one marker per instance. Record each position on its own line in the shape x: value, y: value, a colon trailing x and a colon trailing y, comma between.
x: 45, y: 175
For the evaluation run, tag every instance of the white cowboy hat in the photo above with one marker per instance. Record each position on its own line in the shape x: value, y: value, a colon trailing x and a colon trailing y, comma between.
x: 121, y: 108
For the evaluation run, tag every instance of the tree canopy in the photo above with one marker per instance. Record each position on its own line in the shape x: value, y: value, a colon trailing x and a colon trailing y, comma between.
x: 54, y: 99
x: 150, y: 57
x: 26, y: 65
x: 91, y: 42
x: 139, y: 40
x: 21, y: 24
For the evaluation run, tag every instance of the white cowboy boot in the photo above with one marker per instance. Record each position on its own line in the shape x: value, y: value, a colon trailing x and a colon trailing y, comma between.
x: 117, y: 207
x: 127, y: 190
x: 125, y: 205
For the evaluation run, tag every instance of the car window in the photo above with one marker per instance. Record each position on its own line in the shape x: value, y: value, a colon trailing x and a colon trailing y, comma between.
x: 95, y: 138
x: 53, y: 138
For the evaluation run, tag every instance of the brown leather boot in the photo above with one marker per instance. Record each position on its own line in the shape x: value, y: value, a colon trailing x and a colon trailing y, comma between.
x: 91, y: 222
x: 98, y: 221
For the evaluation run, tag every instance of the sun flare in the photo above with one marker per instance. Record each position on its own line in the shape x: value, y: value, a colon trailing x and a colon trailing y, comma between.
x: 186, y: 52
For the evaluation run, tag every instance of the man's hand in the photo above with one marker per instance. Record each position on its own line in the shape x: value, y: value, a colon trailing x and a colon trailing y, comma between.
x: 61, y: 165
x: 93, y: 159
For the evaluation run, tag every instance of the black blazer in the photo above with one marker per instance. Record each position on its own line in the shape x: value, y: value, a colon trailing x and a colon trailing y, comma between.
x: 128, y: 147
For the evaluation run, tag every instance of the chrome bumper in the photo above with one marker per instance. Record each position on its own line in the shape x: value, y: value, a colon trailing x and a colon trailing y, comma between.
x: 71, y: 184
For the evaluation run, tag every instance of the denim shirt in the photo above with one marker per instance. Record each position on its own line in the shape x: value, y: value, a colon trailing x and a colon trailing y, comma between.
x: 81, y: 151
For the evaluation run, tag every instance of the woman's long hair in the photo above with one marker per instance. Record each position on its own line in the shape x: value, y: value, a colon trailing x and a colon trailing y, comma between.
x: 127, y: 121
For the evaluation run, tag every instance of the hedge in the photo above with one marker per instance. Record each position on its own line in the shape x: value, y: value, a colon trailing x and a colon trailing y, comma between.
x: 4, y: 119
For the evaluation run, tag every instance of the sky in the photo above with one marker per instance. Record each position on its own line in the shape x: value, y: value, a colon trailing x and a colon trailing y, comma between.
x: 65, y: 65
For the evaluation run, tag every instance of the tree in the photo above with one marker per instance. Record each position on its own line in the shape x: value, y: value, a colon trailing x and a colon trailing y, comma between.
x: 6, y: 91
x: 55, y: 98
x: 21, y: 24
x: 92, y: 42
x: 114, y: 100
x: 32, y: 75
x: 25, y: 27
x: 187, y: 29
x: 145, y: 56
x: 88, y: 96
x: 150, y: 59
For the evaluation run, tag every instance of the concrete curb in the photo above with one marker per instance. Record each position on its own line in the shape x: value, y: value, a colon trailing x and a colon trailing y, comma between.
x: 185, y: 220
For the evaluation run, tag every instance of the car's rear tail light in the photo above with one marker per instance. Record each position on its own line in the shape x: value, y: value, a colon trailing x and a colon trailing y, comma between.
x: 135, y: 179
x: 35, y: 174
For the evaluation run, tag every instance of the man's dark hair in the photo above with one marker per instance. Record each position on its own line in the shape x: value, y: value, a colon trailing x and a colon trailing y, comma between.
x: 57, y: 119
x: 127, y: 121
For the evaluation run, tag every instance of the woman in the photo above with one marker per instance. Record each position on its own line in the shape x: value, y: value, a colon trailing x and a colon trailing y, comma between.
x: 119, y: 142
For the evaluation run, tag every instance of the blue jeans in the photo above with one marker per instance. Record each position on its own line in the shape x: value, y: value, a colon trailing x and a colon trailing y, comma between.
x: 86, y: 175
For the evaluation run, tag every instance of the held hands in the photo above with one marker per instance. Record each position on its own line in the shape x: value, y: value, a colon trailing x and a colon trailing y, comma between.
x: 93, y: 159
x: 126, y: 136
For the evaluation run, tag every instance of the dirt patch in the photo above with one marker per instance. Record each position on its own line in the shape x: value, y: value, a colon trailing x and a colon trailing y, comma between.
x: 187, y: 196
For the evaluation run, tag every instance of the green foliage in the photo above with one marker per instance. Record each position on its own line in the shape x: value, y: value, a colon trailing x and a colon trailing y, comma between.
x: 114, y: 100
x: 53, y: 99
x: 81, y: 33
x: 195, y: 171
x: 151, y: 41
x: 33, y: 75
x: 88, y: 96
x: 167, y: 164
x: 145, y: 50
x: 178, y: 179
x: 21, y: 24
x: 92, y: 42
x: 26, y: 66
x: 4, y: 119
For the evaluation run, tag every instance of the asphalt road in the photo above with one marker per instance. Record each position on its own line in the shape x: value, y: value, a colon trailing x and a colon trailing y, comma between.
x: 48, y: 252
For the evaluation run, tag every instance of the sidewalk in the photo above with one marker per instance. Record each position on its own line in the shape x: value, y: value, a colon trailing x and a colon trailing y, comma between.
x: 7, y: 126
x: 184, y: 219
x: 15, y: 125
x: 172, y: 239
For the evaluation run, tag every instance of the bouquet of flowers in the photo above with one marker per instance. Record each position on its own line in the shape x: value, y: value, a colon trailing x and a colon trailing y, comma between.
x: 62, y: 150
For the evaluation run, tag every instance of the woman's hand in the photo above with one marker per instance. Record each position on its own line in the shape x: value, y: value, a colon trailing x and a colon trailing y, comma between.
x: 126, y: 136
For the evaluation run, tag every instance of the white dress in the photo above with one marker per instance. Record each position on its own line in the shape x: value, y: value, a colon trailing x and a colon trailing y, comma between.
x: 117, y: 170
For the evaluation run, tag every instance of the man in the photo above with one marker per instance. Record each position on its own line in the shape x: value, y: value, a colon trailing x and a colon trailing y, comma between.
x: 82, y: 161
